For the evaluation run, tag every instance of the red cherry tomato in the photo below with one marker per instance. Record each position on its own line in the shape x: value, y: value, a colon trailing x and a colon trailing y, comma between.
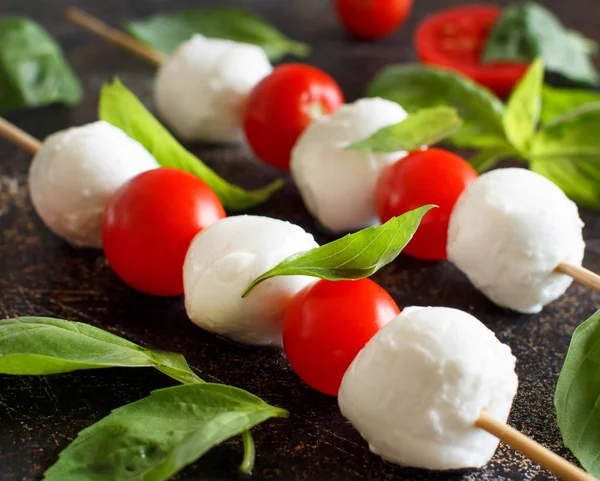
x: 372, y: 19
x: 431, y: 176
x: 455, y: 39
x: 328, y: 323
x: 282, y: 105
x: 149, y: 224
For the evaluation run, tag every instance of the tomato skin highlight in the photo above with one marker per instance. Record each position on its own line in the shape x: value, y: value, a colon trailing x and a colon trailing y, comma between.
x: 149, y: 224
x: 282, y: 105
x: 432, y: 176
x: 328, y: 323
x: 372, y: 19
x: 455, y: 39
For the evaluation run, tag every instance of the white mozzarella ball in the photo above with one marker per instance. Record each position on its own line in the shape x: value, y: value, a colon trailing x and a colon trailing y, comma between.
x: 201, y: 89
x: 416, y: 389
x: 338, y: 185
x: 74, y: 174
x: 508, y: 232
x: 221, y: 263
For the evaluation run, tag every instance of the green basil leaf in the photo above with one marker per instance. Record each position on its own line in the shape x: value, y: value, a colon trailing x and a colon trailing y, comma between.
x: 33, y: 70
x: 559, y: 101
x: 577, y: 396
x: 119, y: 107
x: 155, y: 437
x: 354, y: 256
x: 165, y: 31
x: 42, y: 345
x: 527, y: 31
x: 567, y: 151
x: 420, y: 129
x: 417, y: 86
x: 485, y: 159
x: 522, y: 112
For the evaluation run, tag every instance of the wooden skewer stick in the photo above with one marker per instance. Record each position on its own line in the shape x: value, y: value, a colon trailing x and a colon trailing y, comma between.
x: 534, y: 451
x: 580, y: 274
x: 19, y: 137
x: 94, y: 25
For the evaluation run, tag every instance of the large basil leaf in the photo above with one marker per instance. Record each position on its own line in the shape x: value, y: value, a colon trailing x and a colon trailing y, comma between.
x: 354, y: 256
x: 154, y: 438
x: 577, y: 396
x: 417, y: 86
x: 559, y: 101
x: 33, y: 70
x: 420, y: 129
x: 165, y: 31
x: 528, y: 30
x: 119, y: 107
x: 522, y: 112
x: 42, y: 345
x: 568, y: 153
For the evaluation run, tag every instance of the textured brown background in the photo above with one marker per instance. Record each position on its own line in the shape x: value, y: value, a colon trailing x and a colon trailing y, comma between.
x: 41, y: 275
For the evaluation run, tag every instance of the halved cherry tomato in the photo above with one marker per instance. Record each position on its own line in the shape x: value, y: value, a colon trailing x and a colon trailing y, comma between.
x: 431, y: 176
x: 282, y: 105
x: 372, y: 19
x: 328, y: 323
x: 455, y: 39
x: 149, y: 224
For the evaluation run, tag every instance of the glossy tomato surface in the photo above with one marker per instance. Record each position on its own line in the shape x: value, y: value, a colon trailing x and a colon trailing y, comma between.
x: 149, y: 224
x: 455, y: 38
x: 431, y: 176
x: 372, y: 19
x: 328, y: 323
x: 282, y: 105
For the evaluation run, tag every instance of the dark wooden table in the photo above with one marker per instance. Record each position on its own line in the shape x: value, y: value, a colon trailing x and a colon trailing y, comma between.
x: 41, y: 275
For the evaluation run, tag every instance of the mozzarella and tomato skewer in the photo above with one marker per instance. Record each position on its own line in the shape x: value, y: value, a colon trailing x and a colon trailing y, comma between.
x: 431, y: 386
x: 200, y: 90
x: 75, y: 171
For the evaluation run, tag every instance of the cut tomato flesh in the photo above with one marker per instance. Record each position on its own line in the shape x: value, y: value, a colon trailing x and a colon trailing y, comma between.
x: 455, y: 39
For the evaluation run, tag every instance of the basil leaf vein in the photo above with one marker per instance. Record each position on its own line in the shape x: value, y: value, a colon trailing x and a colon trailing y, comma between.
x: 33, y: 69
x: 558, y: 101
x: 354, y: 256
x: 165, y: 31
x: 416, y: 87
x: 42, y: 345
x: 155, y: 437
x: 120, y: 107
x: 420, y: 129
x: 577, y: 396
x: 522, y: 112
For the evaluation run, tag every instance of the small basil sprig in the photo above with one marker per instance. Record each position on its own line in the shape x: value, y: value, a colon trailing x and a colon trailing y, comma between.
x: 526, y: 31
x: 33, y: 69
x: 165, y: 31
x: 577, y: 396
x: 119, y: 107
x: 43, y: 345
x: 420, y: 129
x: 354, y: 256
x: 154, y: 438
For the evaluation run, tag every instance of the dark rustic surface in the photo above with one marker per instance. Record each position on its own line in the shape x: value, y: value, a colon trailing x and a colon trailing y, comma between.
x: 41, y: 275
